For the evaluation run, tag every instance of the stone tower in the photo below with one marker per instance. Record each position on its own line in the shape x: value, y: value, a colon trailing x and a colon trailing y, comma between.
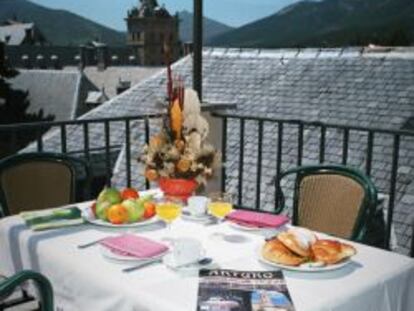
x: 150, y: 29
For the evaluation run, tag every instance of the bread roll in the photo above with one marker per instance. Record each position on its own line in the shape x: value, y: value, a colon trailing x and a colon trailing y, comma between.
x: 293, y: 242
x: 275, y: 251
x: 331, y: 252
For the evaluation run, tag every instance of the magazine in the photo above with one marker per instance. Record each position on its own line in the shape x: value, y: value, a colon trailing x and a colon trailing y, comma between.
x: 232, y: 290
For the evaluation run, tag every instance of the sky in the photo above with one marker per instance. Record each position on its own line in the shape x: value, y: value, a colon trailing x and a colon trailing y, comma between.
x: 112, y: 12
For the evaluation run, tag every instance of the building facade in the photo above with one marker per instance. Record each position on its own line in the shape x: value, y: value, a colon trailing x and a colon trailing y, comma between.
x: 152, y: 30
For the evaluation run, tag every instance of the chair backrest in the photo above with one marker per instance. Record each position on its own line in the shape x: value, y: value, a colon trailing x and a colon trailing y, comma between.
x: 34, y: 181
x: 8, y: 285
x: 333, y: 199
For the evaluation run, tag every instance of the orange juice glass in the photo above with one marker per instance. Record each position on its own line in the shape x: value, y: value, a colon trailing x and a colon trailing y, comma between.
x: 220, y: 204
x: 168, y: 211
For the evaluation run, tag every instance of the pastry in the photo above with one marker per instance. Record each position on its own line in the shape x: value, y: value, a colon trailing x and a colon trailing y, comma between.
x: 298, y: 240
x: 331, y: 252
x: 275, y: 251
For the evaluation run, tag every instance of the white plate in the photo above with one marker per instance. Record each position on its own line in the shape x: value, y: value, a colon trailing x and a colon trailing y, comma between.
x: 107, y: 253
x: 304, y: 267
x: 89, y: 217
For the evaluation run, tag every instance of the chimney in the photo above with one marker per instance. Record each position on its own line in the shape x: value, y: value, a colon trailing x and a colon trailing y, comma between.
x: 29, y: 36
x: 101, y: 53
x: 122, y: 86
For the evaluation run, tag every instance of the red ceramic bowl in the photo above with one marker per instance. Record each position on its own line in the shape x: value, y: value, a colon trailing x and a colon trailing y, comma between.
x: 179, y: 188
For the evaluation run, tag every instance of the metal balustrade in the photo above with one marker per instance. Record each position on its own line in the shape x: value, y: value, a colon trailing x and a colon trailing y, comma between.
x: 13, y: 130
x: 301, y: 126
x: 396, y: 136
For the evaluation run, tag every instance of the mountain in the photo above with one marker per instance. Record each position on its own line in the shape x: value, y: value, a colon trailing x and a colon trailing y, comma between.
x: 60, y: 27
x: 212, y: 28
x: 328, y: 23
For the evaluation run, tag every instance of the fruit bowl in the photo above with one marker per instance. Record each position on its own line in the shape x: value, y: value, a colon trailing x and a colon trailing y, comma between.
x: 88, y: 215
x: 124, y: 209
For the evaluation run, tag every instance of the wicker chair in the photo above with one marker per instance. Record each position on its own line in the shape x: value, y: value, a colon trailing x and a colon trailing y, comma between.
x: 34, y: 181
x: 336, y: 200
x: 9, y: 285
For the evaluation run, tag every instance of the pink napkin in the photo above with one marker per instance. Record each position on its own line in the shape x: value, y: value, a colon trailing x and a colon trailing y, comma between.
x: 255, y: 219
x: 134, y: 246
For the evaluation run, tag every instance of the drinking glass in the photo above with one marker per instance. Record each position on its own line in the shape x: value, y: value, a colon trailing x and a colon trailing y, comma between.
x: 168, y: 211
x: 220, y: 206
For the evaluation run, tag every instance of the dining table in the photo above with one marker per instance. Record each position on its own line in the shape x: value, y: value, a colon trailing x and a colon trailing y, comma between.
x: 85, y: 279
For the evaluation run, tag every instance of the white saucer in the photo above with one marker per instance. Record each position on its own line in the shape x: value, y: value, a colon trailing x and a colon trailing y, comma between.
x: 169, y: 262
x: 186, y: 215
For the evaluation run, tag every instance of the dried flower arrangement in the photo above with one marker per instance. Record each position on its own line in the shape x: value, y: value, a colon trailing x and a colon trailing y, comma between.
x: 180, y: 150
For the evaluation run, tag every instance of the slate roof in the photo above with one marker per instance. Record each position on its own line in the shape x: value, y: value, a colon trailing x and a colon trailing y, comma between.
x: 355, y: 87
x: 56, y: 92
x: 96, y: 98
x: 14, y: 34
x: 109, y: 78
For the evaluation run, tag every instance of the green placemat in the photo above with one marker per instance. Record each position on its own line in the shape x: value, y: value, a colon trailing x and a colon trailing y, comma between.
x: 53, y: 218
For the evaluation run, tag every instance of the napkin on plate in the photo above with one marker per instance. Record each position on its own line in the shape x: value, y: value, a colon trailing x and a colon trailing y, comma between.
x: 255, y: 219
x: 134, y: 246
x: 53, y: 218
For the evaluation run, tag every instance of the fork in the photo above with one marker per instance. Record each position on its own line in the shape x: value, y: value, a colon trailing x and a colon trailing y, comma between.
x: 86, y: 245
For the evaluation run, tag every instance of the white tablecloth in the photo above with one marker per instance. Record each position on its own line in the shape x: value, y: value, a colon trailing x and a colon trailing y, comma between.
x: 85, y: 280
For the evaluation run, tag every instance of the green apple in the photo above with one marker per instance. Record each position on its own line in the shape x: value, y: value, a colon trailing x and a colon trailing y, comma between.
x: 101, y: 208
x: 145, y: 198
x: 110, y: 195
x: 135, y: 209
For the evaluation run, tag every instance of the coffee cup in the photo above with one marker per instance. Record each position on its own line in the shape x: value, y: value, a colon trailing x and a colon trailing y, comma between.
x: 186, y: 251
x: 197, y: 205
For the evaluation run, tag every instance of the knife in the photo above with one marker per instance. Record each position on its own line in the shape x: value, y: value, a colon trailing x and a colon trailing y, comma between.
x: 142, y: 265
